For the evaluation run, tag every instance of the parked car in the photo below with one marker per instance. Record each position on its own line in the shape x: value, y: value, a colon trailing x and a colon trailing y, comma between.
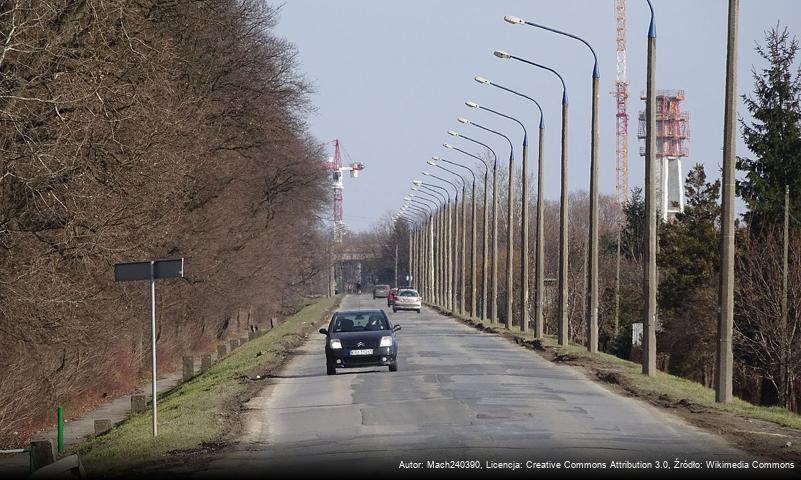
x: 408, y: 299
x: 380, y: 291
x: 393, y: 295
x: 360, y: 338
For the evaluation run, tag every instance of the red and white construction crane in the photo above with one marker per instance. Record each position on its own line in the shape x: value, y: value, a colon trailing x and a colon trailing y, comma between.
x: 621, y: 95
x: 334, y: 165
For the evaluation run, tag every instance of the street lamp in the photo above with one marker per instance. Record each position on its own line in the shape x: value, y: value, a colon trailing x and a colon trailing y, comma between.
x: 539, y: 323
x: 426, y: 260
x: 431, y: 219
x: 563, y: 207
x: 650, y: 280
x: 485, y: 232
x: 449, y: 225
x: 426, y: 201
x: 419, y: 190
x: 437, y: 248
x: 464, y: 238
x: 725, y: 359
x: 456, y: 275
x: 592, y: 324
x: 419, y: 202
x: 493, y: 317
x: 510, y: 233
x: 417, y: 209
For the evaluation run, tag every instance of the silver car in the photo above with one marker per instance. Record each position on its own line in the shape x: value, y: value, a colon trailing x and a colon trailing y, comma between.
x: 407, y: 299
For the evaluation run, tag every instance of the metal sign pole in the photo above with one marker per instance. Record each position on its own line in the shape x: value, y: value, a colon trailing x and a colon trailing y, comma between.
x: 153, y: 338
x: 150, y: 270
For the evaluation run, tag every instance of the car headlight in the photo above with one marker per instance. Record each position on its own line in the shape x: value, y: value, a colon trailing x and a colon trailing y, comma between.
x: 385, y: 342
x: 335, y: 343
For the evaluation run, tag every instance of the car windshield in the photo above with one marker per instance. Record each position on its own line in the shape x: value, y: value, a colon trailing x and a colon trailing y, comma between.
x: 359, y: 321
x: 408, y: 293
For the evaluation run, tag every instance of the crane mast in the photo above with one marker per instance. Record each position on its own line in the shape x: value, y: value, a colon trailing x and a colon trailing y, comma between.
x: 621, y: 94
x: 337, y: 170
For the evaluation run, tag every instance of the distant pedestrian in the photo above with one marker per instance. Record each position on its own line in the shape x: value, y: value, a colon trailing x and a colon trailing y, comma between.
x: 359, y: 288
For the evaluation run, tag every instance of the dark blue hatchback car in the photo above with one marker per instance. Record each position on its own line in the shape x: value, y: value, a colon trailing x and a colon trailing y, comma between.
x: 360, y: 338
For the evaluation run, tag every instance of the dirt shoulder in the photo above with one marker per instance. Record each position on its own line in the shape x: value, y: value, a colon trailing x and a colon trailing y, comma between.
x: 768, y: 432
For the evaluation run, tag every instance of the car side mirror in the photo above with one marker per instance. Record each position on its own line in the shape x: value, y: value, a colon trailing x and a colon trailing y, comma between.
x: 324, y: 331
x: 396, y: 328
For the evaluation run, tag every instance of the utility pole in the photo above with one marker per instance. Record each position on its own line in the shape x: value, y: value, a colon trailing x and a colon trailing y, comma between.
x: 592, y: 324
x: 509, y: 248
x: 563, y: 328
x: 430, y: 268
x: 494, y: 309
x: 649, y: 270
x: 725, y: 357
x: 473, y: 253
x: 396, y: 264
x: 786, y: 381
x: 524, y: 241
x: 416, y: 252
x: 463, y: 266
x: 539, y: 318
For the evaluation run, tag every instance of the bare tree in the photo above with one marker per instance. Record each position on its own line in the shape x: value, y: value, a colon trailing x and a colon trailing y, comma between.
x: 763, y: 340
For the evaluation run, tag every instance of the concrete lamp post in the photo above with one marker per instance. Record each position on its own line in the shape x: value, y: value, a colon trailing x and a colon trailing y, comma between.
x: 510, y: 236
x: 540, y: 282
x: 464, y: 240
x: 563, y: 331
x: 493, y: 315
x: 592, y: 305
x: 485, y: 256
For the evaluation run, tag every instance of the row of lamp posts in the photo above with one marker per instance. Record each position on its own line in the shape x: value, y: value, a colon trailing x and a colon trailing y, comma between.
x: 436, y: 239
x: 443, y: 239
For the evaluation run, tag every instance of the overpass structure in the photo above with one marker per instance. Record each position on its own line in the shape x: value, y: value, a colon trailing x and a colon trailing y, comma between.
x: 346, y: 268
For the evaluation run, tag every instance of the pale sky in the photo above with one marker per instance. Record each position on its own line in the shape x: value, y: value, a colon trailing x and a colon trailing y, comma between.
x: 392, y: 77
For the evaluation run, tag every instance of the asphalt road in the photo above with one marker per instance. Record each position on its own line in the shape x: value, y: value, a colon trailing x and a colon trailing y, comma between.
x: 458, y: 394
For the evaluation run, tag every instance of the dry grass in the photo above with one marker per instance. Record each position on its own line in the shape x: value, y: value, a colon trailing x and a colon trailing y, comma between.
x: 198, y: 412
x: 662, y: 384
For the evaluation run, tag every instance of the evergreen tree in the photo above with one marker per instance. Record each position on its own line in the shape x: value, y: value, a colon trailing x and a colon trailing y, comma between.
x: 631, y: 294
x: 633, y: 233
x: 689, y: 254
x: 774, y: 134
x: 689, y: 262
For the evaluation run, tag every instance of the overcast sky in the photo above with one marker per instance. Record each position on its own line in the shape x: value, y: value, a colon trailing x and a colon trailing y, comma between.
x: 392, y: 77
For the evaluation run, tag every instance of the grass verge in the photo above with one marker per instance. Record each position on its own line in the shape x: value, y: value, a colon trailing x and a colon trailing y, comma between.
x: 202, y: 411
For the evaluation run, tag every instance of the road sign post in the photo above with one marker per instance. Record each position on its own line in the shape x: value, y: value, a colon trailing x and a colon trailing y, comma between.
x: 150, y: 270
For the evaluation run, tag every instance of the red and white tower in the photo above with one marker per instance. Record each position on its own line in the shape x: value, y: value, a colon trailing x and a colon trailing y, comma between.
x: 672, y: 135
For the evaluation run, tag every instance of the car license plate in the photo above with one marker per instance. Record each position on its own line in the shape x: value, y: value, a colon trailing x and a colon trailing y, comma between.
x: 366, y: 351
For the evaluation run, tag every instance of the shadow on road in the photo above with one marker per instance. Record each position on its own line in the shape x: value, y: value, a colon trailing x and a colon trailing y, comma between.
x: 323, y: 374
